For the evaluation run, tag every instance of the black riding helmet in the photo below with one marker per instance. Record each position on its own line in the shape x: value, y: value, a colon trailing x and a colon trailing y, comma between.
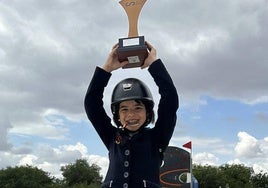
x: 132, y: 89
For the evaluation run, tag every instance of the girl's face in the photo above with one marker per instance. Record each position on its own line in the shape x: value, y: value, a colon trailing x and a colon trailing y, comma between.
x: 132, y: 114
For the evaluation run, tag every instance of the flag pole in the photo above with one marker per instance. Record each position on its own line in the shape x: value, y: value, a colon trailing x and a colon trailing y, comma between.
x: 191, y: 169
x: 189, y: 146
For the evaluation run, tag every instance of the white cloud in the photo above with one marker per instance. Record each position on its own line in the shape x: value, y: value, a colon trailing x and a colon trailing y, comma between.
x: 205, y: 159
x: 28, y: 160
x: 45, y: 50
x: 248, y: 146
x: 101, y: 161
x: 78, y: 147
x: 251, y: 152
x: 260, y: 167
x: 235, y: 161
x: 52, y: 168
x: 257, y: 166
x: 48, y: 52
x: 51, y: 159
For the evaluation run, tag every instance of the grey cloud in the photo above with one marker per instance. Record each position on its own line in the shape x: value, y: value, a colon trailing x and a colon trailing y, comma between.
x: 5, y: 125
x: 49, y: 49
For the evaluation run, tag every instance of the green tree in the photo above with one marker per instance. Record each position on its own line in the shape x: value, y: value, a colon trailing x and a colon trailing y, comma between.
x: 237, y: 175
x: 260, y: 180
x: 24, y: 177
x: 224, y: 176
x: 82, y: 173
x: 207, y: 176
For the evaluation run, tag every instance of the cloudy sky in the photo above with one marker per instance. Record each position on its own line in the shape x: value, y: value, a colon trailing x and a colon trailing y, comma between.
x: 215, y: 51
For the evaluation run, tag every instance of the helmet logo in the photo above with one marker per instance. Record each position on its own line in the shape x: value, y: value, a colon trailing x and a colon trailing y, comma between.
x: 127, y: 87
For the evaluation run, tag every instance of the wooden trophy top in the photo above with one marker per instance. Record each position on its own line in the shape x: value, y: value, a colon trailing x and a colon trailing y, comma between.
x: 133, y: 9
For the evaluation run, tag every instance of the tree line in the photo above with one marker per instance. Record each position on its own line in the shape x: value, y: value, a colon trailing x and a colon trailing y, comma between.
x: 77, y: 175
x: 82, y: 175
x: 229, y: 176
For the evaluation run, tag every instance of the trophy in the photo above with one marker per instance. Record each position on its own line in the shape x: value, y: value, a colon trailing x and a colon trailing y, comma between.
x: 132, y: 48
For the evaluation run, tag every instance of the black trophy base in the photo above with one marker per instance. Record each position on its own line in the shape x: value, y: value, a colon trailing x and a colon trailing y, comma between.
x: 133, y: 50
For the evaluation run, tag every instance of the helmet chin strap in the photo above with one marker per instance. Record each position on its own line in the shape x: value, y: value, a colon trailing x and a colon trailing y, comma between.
x: 123, y: 127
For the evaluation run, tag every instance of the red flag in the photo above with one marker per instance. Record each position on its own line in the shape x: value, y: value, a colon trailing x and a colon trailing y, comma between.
x: 188, y: 145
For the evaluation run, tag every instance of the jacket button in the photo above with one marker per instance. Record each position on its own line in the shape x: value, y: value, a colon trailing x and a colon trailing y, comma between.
x: 125, y: 185
x: 126, y: 163
x: 127, y: 152
x: 126, y: 174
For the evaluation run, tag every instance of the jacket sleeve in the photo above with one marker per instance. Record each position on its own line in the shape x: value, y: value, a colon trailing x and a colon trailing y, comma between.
x: 168, y: 104
x: 94, y: 106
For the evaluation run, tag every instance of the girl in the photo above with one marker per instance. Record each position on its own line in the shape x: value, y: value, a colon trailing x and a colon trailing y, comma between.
x: 135, y: 151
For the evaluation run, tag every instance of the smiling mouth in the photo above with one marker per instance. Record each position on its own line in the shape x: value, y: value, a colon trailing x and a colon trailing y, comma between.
x: 132, y: 123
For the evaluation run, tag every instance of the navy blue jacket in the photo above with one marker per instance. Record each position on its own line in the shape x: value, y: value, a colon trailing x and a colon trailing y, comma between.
x: 135, y: 159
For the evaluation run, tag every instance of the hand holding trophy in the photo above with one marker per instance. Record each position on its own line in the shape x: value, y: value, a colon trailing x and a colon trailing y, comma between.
x: 133, y: 48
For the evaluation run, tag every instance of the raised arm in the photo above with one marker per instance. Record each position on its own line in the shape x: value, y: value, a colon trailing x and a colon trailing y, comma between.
x: 94, y: 97
x: 168, y: 103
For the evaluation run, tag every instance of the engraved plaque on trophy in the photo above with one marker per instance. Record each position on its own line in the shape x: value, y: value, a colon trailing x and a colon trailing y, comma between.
x: 132, y: 48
